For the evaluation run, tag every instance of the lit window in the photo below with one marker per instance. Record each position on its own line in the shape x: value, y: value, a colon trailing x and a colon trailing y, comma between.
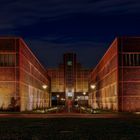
x: 69, y: 63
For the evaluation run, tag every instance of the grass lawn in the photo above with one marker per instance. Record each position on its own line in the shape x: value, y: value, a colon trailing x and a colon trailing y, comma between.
x: 69, y: 129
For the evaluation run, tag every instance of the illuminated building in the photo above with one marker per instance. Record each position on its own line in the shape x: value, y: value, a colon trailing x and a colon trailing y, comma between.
x: 114, y: 84
x: 69, y: 80
x: 24, y: 83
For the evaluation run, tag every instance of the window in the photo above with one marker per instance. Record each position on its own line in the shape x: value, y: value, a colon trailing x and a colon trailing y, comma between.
x: 69, y: 63
x: 7, y: 60
x: 137, y: 59
x: 131, y: 59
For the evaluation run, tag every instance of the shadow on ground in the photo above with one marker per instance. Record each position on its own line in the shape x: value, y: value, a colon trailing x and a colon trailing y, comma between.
x: 69, y: 129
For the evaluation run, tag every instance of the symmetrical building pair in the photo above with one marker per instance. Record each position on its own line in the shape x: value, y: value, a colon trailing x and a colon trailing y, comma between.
x: 114, y: 84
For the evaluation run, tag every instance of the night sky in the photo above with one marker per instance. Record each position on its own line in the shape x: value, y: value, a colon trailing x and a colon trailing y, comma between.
x: 52, y: 27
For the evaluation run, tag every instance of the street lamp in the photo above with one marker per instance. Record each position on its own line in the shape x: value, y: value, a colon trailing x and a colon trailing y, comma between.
x: 84, y: 93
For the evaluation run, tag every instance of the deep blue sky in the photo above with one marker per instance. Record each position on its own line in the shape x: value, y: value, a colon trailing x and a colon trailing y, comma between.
x: 52, y: 27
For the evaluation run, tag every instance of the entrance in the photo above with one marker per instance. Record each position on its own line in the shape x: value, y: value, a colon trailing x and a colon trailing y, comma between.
x: 69, y: 101
x: 69, y: 104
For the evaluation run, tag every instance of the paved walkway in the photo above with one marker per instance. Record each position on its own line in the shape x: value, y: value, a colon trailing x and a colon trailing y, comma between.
x: 68, y: 115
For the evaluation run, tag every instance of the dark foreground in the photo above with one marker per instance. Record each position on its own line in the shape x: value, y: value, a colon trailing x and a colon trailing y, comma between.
x: 69, y: 129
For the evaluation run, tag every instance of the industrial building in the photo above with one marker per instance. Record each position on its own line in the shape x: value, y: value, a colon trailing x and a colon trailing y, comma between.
x: 24, y: 83
x: 114, y: 84
x: 69, y: 81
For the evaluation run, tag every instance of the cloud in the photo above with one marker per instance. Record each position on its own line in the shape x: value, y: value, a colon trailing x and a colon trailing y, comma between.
x: 27, y: 12
x: 32, y: 19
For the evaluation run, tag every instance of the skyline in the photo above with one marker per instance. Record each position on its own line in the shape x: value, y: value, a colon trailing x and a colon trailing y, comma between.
x: 51, y: 28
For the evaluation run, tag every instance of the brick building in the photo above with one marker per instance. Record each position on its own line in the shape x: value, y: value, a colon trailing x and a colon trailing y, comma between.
x: 22, y: 77
x: 69, y: 80
x: 114, y: 83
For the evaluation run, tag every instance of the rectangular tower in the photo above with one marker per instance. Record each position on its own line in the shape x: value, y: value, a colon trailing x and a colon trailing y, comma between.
x: 69, y: 74
x: 69, y: 81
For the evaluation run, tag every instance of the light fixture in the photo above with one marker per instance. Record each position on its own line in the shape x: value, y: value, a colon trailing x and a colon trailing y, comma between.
x: 57, y: 95
x: 44, y: 86
x: 84, y: 93
x: 92, y: 86
x: 78, y: 97
x: 62, y: 99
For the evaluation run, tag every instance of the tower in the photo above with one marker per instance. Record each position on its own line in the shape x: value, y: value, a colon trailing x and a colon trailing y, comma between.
x: 69, y: 74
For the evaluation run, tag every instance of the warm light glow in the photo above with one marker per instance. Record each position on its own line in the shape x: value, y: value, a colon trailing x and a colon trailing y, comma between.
x: 44, y: 86
x: 78, y: 97
x: 92, y: 86
x: 62, y: 99
x: 84, y: 93
x: 57, y: 96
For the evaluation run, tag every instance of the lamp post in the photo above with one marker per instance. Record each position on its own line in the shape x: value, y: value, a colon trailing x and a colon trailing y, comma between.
x: 84, y: 93
x: 45, y: 87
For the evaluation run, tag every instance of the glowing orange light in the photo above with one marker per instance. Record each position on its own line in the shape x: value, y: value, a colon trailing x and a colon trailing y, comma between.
x: 92, y: 86
x: 44, y: 86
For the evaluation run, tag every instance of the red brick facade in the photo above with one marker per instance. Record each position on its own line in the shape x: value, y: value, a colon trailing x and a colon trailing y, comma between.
x: 116, y: 77
x: 21, y: 77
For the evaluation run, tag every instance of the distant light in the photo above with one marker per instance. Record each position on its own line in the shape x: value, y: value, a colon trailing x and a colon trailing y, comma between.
x: 92, y: 86
x: 44, y: 86
x: 84, y: 93
x: 62, y: 99
x: 78, y: 97
x: 57, y: 95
